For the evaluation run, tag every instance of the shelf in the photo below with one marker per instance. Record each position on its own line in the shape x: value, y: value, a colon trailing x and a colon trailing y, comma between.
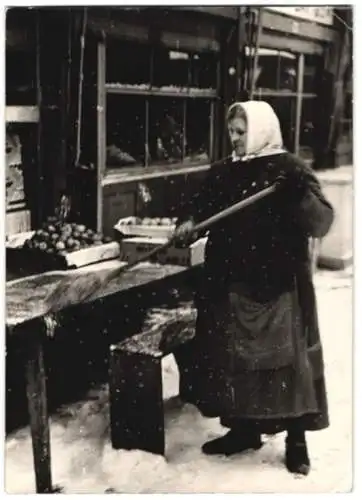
x: 22, y: 114
x: 115, y: 88
x: 281, y: 93
x: 144, y: 173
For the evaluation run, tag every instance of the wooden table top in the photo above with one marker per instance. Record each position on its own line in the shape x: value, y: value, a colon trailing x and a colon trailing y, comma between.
x: 31, y: 297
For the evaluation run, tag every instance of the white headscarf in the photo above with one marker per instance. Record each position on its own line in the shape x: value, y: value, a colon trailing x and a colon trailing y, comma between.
x: 263, y: 137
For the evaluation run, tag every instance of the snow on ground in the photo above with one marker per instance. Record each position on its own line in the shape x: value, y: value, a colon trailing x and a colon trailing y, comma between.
x: 84, y: 462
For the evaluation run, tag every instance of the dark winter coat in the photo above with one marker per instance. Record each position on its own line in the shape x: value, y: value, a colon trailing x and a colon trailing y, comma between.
x: 257, y: 318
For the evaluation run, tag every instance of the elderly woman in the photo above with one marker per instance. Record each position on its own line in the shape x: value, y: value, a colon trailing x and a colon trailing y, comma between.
x: 256, y: 361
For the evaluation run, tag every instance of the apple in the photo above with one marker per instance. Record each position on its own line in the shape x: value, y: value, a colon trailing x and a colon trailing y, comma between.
x: 76, y: 245
x: 69, y: 243
x: 43, y: 246
x: 60, y: 245
x: 39, y: 233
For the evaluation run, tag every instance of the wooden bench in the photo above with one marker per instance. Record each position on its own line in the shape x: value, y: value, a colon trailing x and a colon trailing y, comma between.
x: 136, y: 397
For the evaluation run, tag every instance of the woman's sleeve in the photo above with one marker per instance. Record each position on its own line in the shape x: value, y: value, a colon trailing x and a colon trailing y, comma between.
x: 198, y: 205
x: 314, y: 212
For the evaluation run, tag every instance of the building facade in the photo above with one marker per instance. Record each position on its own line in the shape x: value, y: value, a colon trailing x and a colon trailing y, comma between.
x: 123, y: 109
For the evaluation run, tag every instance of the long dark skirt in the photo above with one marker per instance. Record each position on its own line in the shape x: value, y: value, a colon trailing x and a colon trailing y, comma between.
x: 282, y: 384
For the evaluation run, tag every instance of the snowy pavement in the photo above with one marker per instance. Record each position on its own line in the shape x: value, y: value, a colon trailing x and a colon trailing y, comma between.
x: 84, y: 462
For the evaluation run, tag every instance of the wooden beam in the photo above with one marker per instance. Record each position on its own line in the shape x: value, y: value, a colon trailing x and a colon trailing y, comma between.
x: 227, y: 12
x: 38, y: 413
x: 290, y: 43
x: 288, y: 25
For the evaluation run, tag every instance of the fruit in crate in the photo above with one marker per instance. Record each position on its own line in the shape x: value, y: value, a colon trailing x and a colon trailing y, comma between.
x: 147, y: 221
x: 166, y: 221
x: 55, y: 237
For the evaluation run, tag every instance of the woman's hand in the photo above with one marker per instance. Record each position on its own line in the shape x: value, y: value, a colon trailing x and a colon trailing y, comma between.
x: 183, y: 233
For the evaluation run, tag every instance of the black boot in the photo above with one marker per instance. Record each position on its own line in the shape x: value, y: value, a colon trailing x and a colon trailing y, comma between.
x: 233, y: 442
x: 296, y: 454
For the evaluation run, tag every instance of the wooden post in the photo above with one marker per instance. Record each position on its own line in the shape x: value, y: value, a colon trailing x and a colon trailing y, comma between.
x: 101, y: 129
x: 38, y: 413
x: 298, y: 115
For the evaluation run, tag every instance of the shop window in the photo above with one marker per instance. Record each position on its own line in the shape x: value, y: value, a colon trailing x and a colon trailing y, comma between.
x: 198, y: 131
x: 285, y: 109
x: 128, y: 63
x: 307, y: 132
x: 157, y: 131
x: 160, y: 114
x: 312, y: 64
x: 126, y: 133
x: 171, y: 68
x: 203, y: 71
x: 20, y: 78
x: 275, y: 70
x: 166, y: 130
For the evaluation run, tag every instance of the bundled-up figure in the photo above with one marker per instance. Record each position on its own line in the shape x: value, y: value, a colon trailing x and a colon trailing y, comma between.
x: 256, y: 361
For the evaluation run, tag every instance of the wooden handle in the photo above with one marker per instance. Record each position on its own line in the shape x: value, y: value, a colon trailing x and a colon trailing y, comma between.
x: 204, y: 225
x: 233, y: 209
x: 88, y: 285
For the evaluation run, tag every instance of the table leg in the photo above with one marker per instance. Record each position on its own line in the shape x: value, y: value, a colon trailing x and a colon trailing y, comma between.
x: 38, y: 412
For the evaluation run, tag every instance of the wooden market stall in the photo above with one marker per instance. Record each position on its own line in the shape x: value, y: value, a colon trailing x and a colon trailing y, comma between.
x: 121, y: 110
x: 33, y: 316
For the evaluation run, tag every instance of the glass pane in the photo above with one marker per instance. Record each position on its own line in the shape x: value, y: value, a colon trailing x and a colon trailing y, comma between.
x: 203, y: 71
x: 166, y: 130
x: 276, y: 70
x: 312, y: 66
x: 125, y: 133
x: 285, y: 108
x: 128, y: 63
x: 171, y: 68
x: 198, y: 122
x: 20, y: 78
x: 307, y: 134
x: 287, y: 71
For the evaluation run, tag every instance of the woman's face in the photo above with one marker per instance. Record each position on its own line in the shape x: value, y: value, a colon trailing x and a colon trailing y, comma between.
x: 237, y: 134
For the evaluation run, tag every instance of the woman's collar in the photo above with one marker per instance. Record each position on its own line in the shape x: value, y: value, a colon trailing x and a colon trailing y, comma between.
x: 266, y: 152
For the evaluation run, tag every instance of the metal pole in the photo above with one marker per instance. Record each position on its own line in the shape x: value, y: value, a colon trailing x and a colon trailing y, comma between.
x: 256, y: 50
x: 298, y: 114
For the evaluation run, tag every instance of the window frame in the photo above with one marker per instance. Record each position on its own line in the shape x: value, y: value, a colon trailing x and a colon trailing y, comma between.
x: 105, y: 88
x: 299, y: 95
